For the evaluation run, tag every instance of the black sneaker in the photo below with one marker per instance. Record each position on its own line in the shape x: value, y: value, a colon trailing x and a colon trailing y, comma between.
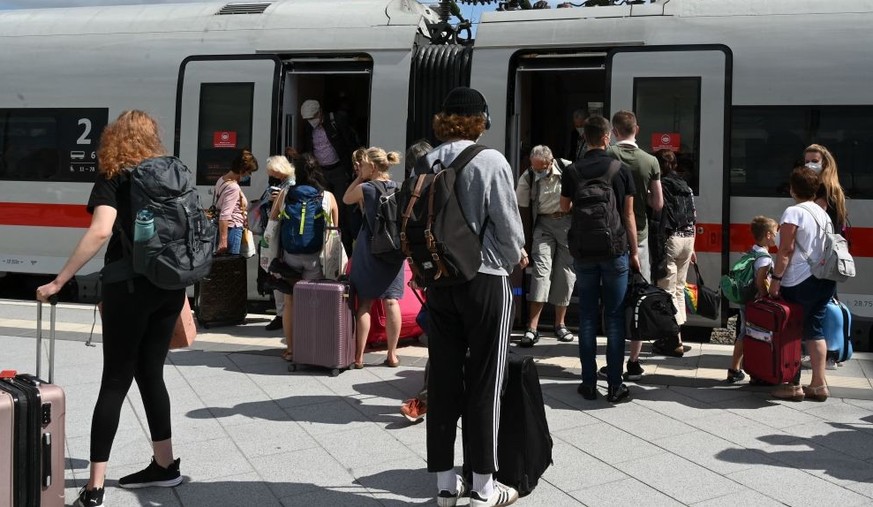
x: 274, y: 324
x: 587, y: 392
x: 617, y: 394
x: 603, y: 373
x: 89, y: 498
x: 634, y: 371
x: 735, y: 376
x: 153, y: 476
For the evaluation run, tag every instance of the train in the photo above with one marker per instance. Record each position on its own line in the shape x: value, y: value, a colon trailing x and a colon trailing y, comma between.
x: 737, y: 88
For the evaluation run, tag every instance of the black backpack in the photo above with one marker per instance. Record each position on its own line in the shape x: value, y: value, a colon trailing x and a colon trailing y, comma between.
x: 678, y: 210
x: 180, y: 251
x: 597, y: 231
x: 436, y: 238
x: 385, y: 225
x: 649, y: 310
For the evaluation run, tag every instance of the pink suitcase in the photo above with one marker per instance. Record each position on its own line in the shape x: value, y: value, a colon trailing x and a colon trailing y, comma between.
x: 32, y: 420
x: 324, y: 330
x: 771, y: 348
x: 409, y: 308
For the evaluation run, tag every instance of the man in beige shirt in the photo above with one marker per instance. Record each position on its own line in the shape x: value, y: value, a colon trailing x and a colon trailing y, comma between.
x: 539, y: 190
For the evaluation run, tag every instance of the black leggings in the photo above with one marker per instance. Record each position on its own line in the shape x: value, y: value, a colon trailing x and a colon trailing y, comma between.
x: 138, y: 322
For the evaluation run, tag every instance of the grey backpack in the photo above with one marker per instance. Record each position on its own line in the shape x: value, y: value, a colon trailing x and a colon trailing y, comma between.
x: 835, y: 262
x: 180, y: 251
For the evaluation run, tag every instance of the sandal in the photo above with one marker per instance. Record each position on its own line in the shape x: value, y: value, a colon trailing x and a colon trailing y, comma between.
x: 288, y: 356
x: 529, y: 339
x: 390, y: 364
x: 819, y: 393
x: 356, y: 365
x: 563, y: 334
x: 788, y: 392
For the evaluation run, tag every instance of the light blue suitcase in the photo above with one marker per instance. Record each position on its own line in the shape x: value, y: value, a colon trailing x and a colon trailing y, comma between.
x: 837, y: 328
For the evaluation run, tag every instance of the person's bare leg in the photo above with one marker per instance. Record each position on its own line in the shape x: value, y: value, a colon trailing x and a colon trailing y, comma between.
x: 163, y: 451
x: 392, y: 327
x: 818, y: 358
x: 288, y: 323
x: 536, y: 309
x: 560, y: 315
x: 737, y: 358
x: 362, y: 329
x: 636, y: 347
x: 98, y: 474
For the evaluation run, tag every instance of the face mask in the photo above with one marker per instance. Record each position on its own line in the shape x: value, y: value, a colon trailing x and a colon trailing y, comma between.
x: 315, y: 122
x: 245, y: 180
x: 273, y: 181
x: 815, y: 166
x: 580, y: 130
x: 540, y: 175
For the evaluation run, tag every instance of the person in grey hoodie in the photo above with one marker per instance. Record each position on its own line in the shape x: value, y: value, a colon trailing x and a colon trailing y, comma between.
x: 473, y: 316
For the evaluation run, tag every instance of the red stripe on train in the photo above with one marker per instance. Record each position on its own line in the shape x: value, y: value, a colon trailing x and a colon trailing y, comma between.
x: 709, y: 239
x: 44, y: 215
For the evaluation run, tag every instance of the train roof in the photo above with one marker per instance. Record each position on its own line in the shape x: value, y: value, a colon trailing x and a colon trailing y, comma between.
x: 213, y: 16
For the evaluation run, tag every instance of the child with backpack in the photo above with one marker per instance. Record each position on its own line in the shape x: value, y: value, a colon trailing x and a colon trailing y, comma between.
x: 748, y: 279
x: 377, y: 263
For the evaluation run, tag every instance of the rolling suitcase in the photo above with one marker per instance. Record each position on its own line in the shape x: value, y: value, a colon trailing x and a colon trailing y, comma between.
x: 324, y: 330
x: 220, y: 298
x: 837, y: 326
x: 774, y: 329
x: 32, y: 419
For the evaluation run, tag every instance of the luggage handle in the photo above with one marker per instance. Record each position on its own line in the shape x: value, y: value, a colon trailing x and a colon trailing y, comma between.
x: 53, y: 301
x: 47, y: 460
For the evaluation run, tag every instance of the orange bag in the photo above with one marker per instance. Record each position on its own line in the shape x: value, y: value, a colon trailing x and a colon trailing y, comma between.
x: 186, y: 330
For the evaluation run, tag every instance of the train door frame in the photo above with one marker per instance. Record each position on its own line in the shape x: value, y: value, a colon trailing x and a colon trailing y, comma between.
x: 712, y: 66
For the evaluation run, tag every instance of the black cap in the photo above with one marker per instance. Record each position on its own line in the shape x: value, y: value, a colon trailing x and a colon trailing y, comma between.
x: 465, y: 102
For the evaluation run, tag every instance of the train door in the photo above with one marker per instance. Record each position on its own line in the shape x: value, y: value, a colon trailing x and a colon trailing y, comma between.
x: 681, y: 96
x: 225, y: 104
x: 340, y: 84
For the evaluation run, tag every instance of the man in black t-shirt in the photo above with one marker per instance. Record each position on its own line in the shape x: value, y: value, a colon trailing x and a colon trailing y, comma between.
x: 609, y: 274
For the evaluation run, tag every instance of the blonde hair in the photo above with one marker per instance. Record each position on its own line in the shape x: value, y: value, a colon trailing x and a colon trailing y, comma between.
x: 381, y: 159
x: 278, y: 164
x: 359, y: 155
x: 830, y: 183
x: 760, y: 226
x: 126, y: 142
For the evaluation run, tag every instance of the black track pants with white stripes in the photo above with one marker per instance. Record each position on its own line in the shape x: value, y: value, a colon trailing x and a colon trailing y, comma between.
x: 474, y: 316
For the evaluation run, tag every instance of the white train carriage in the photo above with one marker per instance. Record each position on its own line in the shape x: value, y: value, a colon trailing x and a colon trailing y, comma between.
x: 218, y: 77
x: 738, y: 88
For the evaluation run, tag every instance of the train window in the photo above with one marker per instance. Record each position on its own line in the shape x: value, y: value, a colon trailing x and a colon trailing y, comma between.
x: 766, y: 142
x: 50, y: 144
x: 226, y: 111
x: 668, y: 112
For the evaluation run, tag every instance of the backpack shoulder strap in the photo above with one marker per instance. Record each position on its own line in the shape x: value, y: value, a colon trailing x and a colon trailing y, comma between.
x: 610, y: 173
x: 465, y: 157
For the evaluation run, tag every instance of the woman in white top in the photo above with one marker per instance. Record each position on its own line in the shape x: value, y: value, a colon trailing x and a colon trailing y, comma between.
x: 307, y: 173
x: 803, y: 227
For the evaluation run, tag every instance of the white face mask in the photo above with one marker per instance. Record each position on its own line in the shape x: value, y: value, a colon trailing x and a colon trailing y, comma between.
x: 315, y: 122
x: 815, y: 166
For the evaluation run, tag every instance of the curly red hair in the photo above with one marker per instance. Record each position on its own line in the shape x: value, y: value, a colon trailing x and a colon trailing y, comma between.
x: 447, y: 127
x: 133, y: 137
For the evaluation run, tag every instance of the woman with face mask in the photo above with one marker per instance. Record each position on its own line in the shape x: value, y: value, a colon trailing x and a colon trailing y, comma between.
x: 231, y: 203
x: 830, y: 194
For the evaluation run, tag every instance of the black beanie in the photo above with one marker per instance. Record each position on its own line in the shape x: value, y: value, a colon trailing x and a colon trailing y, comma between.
x: 464, y: 101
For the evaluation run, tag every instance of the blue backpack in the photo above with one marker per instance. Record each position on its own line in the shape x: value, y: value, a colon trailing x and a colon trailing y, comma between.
x: 303, y: 220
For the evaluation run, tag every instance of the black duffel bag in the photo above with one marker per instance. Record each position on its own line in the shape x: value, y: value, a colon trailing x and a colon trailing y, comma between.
x: 649, y: 310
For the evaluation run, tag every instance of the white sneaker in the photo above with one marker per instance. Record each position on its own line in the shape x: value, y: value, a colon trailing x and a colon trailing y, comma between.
x: 805, y: 362
x: 832, y: 364
x: 448, y: 499
x: 502, y: 495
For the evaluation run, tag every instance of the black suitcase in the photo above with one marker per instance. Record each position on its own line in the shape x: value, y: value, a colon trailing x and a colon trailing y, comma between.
x: 220, y: 297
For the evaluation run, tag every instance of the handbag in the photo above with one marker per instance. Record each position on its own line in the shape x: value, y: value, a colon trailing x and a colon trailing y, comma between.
x: 257, y: 217
x: 247, y: 244
x: 333, y: 255
x: 270, y: 244
x: 703, y: 300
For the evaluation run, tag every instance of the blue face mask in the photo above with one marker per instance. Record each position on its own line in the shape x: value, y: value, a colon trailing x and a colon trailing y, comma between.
x: 245, y: 180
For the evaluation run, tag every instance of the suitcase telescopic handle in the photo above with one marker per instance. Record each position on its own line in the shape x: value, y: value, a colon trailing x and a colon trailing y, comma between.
x: 53, y: 301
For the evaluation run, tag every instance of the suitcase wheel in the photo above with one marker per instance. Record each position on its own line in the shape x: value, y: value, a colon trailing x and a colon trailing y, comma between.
x: 292, y: 367
x: 334, y: 372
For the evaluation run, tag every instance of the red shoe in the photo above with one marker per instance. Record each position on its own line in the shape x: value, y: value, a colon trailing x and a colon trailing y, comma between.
x: 413, y: 409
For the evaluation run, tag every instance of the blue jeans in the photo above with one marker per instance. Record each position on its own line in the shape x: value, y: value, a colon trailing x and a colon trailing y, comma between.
x: 234, y: 239
x: 610, y: 276
x: 813, y: 295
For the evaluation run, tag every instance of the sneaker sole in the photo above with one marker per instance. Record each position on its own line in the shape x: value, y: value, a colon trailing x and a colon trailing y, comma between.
x: 628, y: 376
x: 412, y: 419
x: 154, y: 484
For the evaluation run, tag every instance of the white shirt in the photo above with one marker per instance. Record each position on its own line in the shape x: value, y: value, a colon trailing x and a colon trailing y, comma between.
x: 808, y: 240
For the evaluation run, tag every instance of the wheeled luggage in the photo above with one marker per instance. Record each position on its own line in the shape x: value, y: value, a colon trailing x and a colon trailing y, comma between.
x: 524, y: 444
x: 409, y: 308
x: 32, y: 419
x: 220, y: 297
x: 324, y: 330
x: 771, y: 349
x: 837, y: 326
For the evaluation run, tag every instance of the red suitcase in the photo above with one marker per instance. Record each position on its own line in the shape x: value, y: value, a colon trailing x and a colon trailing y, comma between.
x: 409, y: 308
x: 771, y: 350
x: 32, y: 418
x: 324, y: 330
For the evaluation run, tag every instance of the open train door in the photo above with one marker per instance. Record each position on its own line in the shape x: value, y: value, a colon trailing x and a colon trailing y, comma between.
x: 224, y: 104
x: 681, y: 96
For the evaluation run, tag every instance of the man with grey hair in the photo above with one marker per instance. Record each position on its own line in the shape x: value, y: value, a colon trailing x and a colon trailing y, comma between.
x: 539, y: 190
